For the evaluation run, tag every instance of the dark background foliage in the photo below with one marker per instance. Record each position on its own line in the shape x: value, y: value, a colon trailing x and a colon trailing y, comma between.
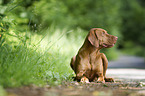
x: 123, y: 18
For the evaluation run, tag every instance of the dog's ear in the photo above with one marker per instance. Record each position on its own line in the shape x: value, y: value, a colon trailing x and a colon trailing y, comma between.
x: 93, y: 38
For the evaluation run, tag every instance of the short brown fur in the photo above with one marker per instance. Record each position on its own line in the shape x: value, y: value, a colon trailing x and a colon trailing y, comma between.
x: 89, y: 64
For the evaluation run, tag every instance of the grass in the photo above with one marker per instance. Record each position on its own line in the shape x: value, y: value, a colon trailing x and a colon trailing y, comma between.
x: 29, y: 58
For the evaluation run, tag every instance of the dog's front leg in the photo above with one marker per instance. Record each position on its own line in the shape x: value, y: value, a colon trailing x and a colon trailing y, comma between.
x: 105, y: 65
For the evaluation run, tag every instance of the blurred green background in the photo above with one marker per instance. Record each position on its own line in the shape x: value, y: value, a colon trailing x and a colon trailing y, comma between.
x: 39, y: 37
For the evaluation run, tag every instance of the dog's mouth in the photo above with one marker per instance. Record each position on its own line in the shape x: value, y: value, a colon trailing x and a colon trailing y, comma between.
x: 107, y: 46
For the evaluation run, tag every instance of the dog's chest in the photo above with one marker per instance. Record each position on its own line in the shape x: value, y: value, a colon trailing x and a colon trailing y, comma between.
x: 95, y: 61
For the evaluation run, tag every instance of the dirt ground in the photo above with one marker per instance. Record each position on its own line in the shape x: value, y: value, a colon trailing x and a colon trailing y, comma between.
x: 128, y: 72
x: 119, y: 88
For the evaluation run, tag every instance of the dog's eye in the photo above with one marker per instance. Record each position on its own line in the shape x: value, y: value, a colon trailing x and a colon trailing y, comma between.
x: 103, y: 33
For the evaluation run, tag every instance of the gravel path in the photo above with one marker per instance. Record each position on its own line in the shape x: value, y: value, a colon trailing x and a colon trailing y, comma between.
x: 127, y: 67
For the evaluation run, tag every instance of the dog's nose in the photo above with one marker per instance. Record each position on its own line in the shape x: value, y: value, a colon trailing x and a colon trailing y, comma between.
x: 116, y: 38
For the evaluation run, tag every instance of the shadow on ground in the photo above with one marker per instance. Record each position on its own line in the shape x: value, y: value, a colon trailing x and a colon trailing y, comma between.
x: 125, y: 61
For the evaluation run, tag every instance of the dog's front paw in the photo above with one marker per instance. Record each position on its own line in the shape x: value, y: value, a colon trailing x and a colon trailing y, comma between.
x: 109, y: 80
x: 100, y: 80
x: 84, y: 80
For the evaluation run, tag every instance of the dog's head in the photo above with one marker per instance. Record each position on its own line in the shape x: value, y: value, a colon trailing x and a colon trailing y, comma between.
x: 101, y: 39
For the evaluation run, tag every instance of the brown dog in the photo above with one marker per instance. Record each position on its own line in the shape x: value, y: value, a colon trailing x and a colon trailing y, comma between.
x: 89, y: 64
